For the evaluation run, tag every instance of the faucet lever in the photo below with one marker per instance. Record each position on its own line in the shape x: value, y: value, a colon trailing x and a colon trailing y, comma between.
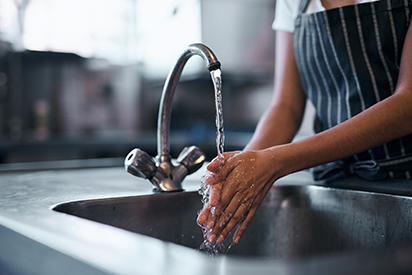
x: 140, y: 164
x: 192, y: 158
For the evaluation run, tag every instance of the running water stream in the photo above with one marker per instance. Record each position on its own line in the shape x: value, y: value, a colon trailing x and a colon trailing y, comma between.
x: 214, y: 249
x: 220, y: 135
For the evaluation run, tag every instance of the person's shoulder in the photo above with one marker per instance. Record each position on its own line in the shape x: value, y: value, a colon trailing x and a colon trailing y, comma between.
x: 290, y: 6
x: 286, y: 12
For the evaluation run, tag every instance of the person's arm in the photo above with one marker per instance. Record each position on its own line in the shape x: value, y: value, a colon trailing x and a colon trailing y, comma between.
x: 282, y: 119
x: 248, y: 176
x: 279, y: 123
x: 385, y: 121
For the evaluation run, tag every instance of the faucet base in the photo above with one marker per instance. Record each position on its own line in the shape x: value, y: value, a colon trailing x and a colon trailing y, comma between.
x: 164, y: 176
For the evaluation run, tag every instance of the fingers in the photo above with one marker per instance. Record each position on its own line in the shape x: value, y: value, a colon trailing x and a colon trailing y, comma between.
x: 214, y: 165
x: 227, y: 221
x: 215, y: 194
x: 207, y: 215
x: 203, y: 215
x: 219, y: 199
x: 219, y: 162
x: 244, y: 224
x: 242, y: 217
x: 212, y: 178
x: 224, y: 196
x: 219, y: 168
x: 230, y: 205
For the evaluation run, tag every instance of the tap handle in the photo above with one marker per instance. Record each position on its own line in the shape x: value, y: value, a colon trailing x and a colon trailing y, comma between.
x: 140, y: 164
x: 192, y: 158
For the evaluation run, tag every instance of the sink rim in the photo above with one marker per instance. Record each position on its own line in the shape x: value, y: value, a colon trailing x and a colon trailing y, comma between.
x: 285, y: 188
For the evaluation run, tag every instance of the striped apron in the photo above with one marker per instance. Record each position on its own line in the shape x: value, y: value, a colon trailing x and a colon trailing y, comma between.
x: 348, y: 60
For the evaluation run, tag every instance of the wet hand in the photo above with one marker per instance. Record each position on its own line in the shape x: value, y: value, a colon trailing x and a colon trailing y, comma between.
x: 212, y: 178
x: 238, y: 184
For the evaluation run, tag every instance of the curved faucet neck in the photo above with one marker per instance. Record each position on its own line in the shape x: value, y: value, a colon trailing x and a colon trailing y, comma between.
x: 164, y: 176
x: 163, y: 124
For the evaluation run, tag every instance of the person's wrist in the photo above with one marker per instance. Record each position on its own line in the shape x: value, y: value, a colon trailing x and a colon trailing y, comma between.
x: 279, y: 161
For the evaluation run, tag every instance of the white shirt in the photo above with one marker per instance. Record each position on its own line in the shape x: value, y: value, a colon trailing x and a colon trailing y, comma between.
x: 287, y: 10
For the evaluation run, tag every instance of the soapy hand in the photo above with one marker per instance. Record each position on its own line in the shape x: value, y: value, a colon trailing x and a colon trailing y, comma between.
x: 238, y: 184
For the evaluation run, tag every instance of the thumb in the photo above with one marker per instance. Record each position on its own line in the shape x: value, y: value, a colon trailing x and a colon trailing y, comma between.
x: 215, y: 165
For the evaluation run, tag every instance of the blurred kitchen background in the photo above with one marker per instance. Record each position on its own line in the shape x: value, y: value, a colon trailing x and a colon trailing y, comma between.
x: 82, y: 79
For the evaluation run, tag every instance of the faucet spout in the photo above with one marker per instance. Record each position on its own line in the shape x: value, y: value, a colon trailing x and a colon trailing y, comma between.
x: 163, y: 123
x: 165, y: 176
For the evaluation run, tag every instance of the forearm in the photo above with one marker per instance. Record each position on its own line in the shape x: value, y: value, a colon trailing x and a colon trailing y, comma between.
x: 383, y: 122
x: 277, y: 126
x: 282, y: 119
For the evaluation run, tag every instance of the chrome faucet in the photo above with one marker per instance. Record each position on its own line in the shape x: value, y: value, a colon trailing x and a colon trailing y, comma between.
x: 165, y: 176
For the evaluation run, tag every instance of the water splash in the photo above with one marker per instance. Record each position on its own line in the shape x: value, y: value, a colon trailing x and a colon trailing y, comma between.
x: 204, y: 188
x: 213, y: 250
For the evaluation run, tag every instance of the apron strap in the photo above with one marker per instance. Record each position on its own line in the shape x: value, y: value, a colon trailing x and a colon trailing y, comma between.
x: 303, y: 6
x: 367, y: 169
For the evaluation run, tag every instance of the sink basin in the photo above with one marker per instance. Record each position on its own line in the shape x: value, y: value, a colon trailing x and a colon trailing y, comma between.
x: 292, y: 222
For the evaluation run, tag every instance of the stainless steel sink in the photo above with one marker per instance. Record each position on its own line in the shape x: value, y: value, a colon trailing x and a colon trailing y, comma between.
x: 292, y: 222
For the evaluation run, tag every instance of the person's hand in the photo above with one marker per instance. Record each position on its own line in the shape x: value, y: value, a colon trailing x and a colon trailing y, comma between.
x: 206, y: 217
x: 239, y: 183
